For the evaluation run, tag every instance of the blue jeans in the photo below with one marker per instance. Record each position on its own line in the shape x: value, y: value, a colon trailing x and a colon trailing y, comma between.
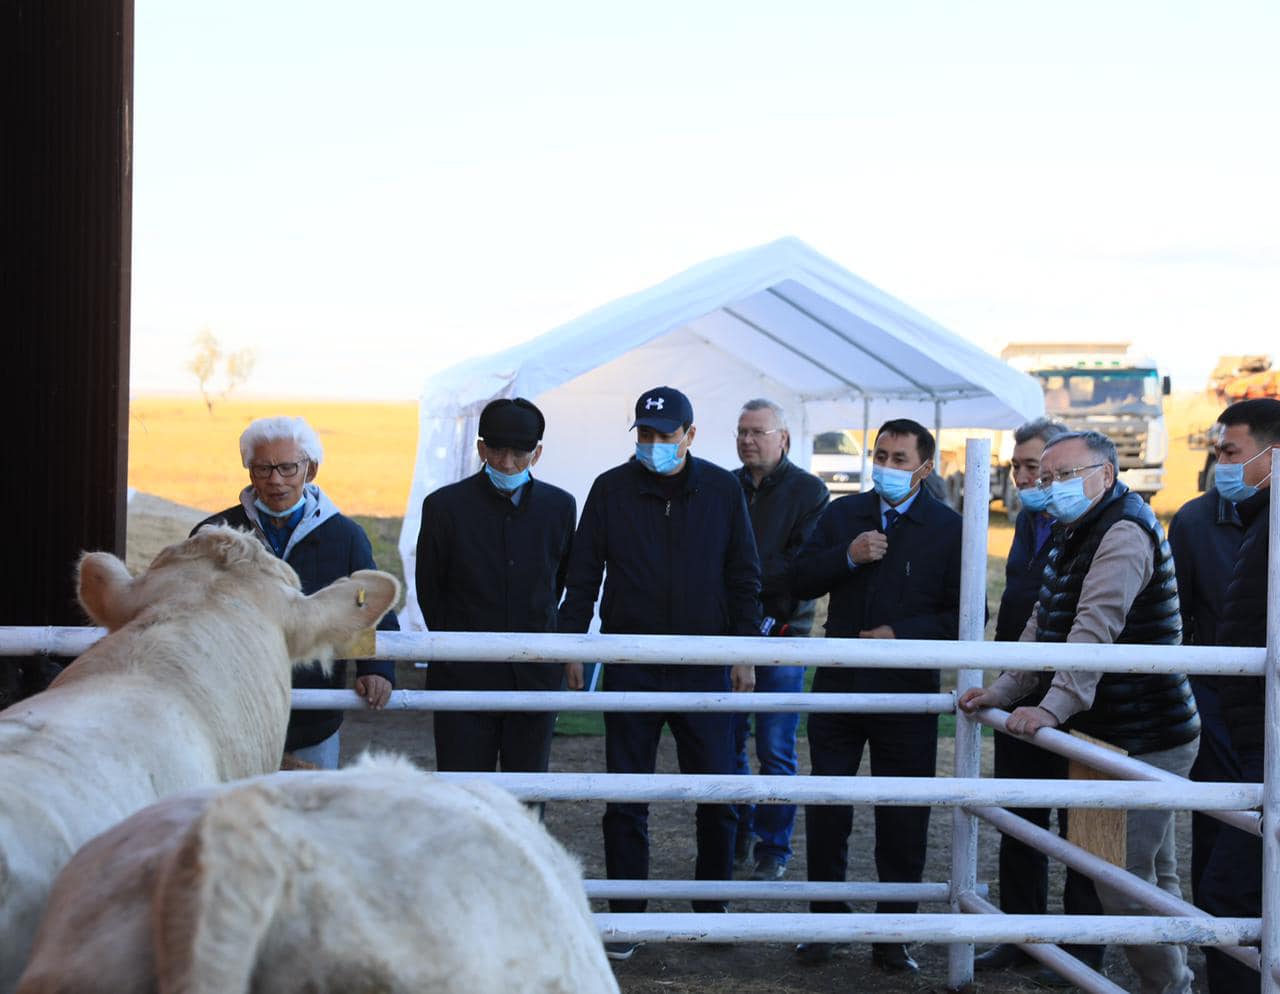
x: 324, y: 753
x: 776, y: 750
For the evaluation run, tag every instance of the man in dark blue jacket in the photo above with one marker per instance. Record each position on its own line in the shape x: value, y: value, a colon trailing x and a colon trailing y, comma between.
x: 1231, y: 885
x: 492, y: 554
x: 292, y: 517
x: 891, y: 561
x: 673, y: 533
x: 1205, y: 538
x: 1024, y: 871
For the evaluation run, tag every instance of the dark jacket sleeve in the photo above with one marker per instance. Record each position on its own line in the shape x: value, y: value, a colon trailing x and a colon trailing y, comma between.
x: 362, y: 558
x: 945, y: 622
x: 742, y: 571
x: 562, y: 569
x: 823, y: 560
x: 1184, y: 564
x: 586, y: 566
x: 431, y: 564
x: 777, y: 567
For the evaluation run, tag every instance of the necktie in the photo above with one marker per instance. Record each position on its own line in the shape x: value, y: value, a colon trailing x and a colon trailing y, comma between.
x: 890, y: 519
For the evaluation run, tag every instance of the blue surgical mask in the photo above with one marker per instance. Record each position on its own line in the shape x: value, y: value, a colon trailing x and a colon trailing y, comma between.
x: 1229, y: 479
x: 1067, y: 501
x: 504, y: 482
x: 1034, y: 499
x: 257, y: 502
x: 658, y: 457
x: 892, y: 484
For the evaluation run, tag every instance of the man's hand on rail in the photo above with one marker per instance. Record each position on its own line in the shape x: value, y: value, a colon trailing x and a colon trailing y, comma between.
x: 742, y: 679
x: 879, y: 632
x: 1028, y: 721
x: 376, y: 690
x: 975, y: 699
x: 573, y: 675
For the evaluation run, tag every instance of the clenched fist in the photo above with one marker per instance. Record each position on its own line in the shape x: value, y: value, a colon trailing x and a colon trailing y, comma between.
x: 869, y: 547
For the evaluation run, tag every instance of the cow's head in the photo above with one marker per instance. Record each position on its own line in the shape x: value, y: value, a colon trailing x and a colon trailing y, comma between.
x: 221, y: 562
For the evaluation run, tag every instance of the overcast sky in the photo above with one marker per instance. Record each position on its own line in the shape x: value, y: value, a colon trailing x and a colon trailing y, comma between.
x: 368, y: 193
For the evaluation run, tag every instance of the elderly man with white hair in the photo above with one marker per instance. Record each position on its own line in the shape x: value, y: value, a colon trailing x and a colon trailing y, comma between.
x: 292, y: 517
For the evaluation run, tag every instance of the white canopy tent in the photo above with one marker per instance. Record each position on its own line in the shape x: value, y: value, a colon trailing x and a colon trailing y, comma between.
x: 778, y: 321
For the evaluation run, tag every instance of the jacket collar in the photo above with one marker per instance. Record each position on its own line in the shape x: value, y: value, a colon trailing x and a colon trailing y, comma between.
x: 648, y: 482
x: 770, y: 480
x: 1227, y: 512
x: 317, y: 510
x: 1258, y: 503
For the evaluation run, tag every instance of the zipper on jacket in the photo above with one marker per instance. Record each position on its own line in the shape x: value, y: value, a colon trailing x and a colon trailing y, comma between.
x: 667, y: 512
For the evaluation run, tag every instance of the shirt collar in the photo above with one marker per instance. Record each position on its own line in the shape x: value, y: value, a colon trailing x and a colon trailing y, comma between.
x: 903, y: 507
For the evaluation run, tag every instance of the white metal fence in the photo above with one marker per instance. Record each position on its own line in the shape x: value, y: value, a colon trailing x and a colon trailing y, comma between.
x: 972, y: 918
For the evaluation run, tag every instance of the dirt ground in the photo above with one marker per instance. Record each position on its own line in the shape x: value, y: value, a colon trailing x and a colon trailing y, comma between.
x: 680, y: 968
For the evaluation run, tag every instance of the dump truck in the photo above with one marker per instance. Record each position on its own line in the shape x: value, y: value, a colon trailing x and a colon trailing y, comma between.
x: 1235, y: 377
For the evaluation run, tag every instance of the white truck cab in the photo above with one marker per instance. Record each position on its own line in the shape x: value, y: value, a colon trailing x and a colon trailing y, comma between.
x: 1105, y: 387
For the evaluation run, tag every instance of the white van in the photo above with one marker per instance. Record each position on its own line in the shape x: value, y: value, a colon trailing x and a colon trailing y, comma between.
x: 837, y: 462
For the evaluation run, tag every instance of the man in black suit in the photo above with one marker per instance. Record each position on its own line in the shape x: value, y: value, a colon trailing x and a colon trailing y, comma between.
x: 492, y: 553
x: 890, y: 560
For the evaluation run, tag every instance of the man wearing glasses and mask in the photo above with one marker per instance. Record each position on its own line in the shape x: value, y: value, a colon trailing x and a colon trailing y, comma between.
x: 293, y: 518
x: 1110, y: 579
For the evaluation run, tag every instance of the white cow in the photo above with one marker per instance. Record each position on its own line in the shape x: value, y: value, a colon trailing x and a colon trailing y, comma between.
x: 190, y: 687
x: 376, y: 879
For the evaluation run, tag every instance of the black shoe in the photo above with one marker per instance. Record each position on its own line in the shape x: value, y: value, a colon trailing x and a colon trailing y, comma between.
x: 813, y: 953
x: 1001, y: 957
x: 893, y: 956
x: 768, y: 868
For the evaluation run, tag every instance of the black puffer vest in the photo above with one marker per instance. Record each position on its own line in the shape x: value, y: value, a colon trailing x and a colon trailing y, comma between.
x: 1136, y: 712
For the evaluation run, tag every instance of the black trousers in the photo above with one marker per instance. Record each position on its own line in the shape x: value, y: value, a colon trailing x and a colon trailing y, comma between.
x: 515, y: 741
x: 901, y: 746
x: 1216, y: 762
x: 1024, y: 872
x: 1231, y: 887
x: 704, y: 744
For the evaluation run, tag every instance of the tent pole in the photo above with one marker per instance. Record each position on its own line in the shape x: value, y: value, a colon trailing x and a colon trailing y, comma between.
x: 866, y: 427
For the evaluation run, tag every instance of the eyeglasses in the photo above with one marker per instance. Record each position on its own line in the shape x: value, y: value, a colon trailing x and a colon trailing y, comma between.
x: 1063, y: 475
x: 755, y: 434
x: 287, y: 470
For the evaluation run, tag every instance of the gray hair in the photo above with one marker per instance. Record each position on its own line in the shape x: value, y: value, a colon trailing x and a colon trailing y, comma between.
x: 281, y: 429
x: 763, y: 404
x: 1045, y: 429
x: 1097, y: 443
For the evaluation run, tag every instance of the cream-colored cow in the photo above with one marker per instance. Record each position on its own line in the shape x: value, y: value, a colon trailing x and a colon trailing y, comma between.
x: 190, y: 687
x: 378, y: 878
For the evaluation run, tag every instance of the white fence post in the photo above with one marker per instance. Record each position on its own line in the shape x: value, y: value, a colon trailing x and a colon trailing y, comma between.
x: 968, y: 756
x: 1271, y: 767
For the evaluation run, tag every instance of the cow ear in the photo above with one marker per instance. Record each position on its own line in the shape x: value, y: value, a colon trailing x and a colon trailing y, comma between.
x: 107, y: 590
x: 332, y: 617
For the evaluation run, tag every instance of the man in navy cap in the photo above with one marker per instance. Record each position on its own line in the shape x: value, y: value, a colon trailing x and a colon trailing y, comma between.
x: 492, y: 555
x: 674, y: 535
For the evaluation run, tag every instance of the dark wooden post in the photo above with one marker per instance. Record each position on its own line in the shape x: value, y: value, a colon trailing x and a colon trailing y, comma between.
x: 66, y: 72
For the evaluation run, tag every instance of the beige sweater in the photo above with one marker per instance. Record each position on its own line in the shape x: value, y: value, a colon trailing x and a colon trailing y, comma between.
x: 1121, y: 567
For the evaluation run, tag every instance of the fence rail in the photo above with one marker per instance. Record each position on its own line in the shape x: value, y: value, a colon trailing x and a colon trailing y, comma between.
x: 973, y: 918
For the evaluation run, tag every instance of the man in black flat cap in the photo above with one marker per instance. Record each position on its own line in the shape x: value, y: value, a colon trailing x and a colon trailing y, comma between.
x: 675, y: 537
x: 492, y: 554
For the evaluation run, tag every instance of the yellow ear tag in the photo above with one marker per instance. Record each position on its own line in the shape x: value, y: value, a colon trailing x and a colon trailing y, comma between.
x: 360, y: 598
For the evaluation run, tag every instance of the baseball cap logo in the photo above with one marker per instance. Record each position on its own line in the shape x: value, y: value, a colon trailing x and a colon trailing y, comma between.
x: 654, y: 403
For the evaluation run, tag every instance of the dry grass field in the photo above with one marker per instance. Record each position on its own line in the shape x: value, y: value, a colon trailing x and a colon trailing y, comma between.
x: 180, y: 452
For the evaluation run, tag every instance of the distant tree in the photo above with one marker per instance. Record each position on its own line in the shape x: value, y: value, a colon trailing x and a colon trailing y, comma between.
x: 237, y: 367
